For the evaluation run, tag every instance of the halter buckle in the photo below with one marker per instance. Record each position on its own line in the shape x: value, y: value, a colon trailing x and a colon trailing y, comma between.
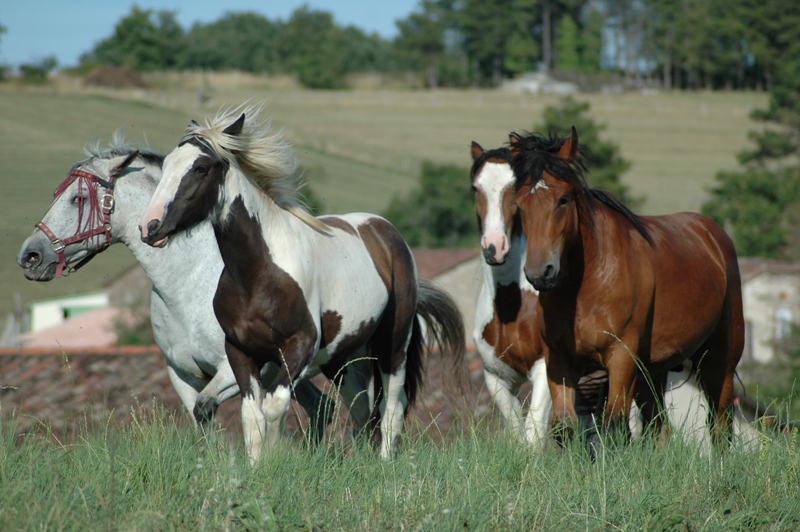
x: 58, y: 246
x: 107, y: 203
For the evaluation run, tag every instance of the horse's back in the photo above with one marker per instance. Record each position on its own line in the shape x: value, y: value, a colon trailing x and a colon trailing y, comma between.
x: 388, y: 251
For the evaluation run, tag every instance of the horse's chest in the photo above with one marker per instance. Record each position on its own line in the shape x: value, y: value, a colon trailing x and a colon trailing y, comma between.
x: 261, y: 316
x: 513, y: 330
x: 516, y: 344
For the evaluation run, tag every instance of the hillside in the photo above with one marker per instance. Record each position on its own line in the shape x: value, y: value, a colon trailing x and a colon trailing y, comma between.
x: 358, y: 148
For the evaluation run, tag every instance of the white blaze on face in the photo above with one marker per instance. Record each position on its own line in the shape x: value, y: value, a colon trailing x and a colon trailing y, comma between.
x: 539, y: 184
x: 176, y: 164
x: 492, y: 182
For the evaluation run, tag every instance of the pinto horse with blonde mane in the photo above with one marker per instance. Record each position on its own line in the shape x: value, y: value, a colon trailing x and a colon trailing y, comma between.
x: 336, y: 294
x: 635, y: 294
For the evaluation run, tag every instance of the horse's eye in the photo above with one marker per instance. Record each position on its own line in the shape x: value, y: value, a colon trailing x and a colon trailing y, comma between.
x: 563, y: 201
x: 202, y: 169
x: 77, y: 200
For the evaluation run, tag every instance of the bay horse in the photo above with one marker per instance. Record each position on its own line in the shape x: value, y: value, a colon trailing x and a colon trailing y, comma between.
x: 336, y: 294
x: 506, y: 332
x: 98, y: 205
x: 635, y: 294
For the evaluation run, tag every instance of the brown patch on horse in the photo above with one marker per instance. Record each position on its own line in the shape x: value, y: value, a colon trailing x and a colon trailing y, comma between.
x: 330, y: 325
x: 339, y: 223
x: 395, y: 266
x: 514, y: 329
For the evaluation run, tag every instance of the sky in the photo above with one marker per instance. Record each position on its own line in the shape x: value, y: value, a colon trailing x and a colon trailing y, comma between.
x: 67, y: 28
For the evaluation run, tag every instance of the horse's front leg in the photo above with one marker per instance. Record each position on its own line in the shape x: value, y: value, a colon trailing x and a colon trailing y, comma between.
x: 295, y: 356
x: 504, y: 394
x: 541, y: 406
x: 253, y: 421
x: 650, y: 399
x: 219, y: 389
x: 562, y: 379
x: 621, y: 368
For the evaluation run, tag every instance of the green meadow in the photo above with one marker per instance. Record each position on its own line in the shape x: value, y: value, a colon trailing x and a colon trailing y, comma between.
x: 358, y: 148
x: 156, y: 474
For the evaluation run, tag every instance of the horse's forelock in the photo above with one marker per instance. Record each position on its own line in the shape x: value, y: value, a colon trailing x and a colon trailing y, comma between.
x: 261, y: 153
x: 536, y: 154
x: 117, y: 146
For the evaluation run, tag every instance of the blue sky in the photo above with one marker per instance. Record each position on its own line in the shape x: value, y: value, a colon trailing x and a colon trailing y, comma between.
x: 68, y: 28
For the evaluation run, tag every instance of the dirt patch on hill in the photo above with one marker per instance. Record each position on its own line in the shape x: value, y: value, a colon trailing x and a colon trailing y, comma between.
x: 116, y: 77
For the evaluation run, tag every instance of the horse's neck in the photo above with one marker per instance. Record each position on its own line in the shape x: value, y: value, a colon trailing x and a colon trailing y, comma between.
x: 192, y: 256
x: 252, y: 222
x: 508, y: 273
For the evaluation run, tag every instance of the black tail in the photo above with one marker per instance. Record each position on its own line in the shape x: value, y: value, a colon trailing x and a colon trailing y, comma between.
x: 445, y: 327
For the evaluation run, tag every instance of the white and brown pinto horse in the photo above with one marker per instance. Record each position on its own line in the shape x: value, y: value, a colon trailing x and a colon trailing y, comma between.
x: 506, y: 330
x: 337, y: 294
x: 637, y: 295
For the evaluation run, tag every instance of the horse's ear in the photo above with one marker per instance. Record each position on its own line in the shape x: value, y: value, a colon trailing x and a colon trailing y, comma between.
x: 569, y: 150
x: 236, y: 128
x: 118, y: 164
x: 513, y: 141
x: 476, y: 150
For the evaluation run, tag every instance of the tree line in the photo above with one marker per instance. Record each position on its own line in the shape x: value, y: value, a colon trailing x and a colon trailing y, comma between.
x: 684, y: 44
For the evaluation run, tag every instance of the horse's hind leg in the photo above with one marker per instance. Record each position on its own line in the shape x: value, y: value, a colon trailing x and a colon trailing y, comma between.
x: 187, y: 394
x: 357, y: 388
x: 716, y: 365
x: 318, y: 405
x: 393, y: 408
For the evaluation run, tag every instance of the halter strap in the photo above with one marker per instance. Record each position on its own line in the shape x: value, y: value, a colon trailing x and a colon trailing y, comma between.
x: 98, y: 222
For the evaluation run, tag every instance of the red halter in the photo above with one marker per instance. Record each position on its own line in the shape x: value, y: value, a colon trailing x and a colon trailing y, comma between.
x: 97, y: 221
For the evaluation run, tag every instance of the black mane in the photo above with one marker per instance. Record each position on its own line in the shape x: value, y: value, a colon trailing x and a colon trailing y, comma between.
x: 538, y: 154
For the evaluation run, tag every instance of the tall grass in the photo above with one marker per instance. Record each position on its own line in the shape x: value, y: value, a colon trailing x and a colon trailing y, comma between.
x: 154, y: 474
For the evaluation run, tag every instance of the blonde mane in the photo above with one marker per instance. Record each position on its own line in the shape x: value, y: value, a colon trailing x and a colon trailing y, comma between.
x: 262, y: 154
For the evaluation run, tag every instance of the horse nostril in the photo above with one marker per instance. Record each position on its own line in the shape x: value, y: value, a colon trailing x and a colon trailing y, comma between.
x: 549, y: 270
x: 153, y: 225
x: 488, y: 252
x: 31, y: 259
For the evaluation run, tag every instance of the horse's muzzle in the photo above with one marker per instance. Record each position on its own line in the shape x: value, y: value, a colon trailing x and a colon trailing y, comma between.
x: 543, y: 278
x: 151, y: 237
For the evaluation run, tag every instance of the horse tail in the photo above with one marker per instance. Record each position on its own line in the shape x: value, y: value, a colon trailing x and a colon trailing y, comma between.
x: 444, y: 326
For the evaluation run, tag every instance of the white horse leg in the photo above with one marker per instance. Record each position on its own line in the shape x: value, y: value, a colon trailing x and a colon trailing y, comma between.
x: 186, y: 392
x: 254, y: 423
x: 393, y: 407
x: 687, y: 407
x: 541, y: 406
x: 274, y: 406
x: 219, y: 389
x: 507, y: 402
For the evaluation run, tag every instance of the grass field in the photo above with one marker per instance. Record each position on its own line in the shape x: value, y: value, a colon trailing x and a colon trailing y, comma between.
x: 359, y: 148
x: 155, y: 474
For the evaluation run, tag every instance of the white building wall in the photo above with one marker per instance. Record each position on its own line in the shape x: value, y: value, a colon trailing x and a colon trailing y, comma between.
x: 765, y: 296
x: 51, y: 312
